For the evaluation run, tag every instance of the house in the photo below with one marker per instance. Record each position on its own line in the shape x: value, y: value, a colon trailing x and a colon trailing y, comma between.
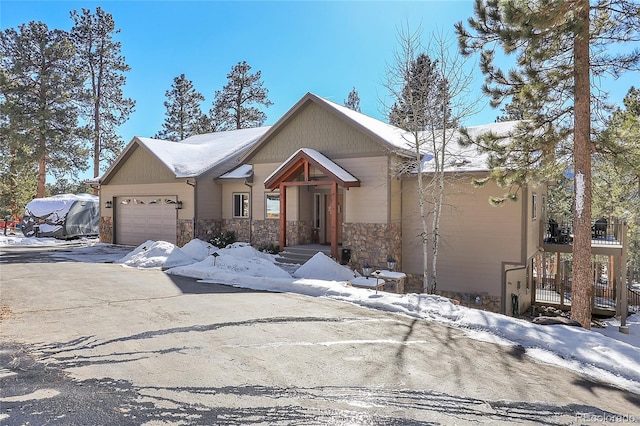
x: 324, y: 174
x: 163, y: 190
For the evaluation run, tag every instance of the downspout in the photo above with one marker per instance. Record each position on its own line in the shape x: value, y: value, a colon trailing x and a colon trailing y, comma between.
x: 249, y: 182
x: 195, y: 206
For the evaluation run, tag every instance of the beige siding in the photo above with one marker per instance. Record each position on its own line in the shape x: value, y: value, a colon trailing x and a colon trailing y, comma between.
x: 180, y: 190
x: 476, y: 238
x: 395, y: 187
x: 533, y: 225
x: 141, y: 167
x: 208, y: 197
x: 368, y: 203
x: 314, y: 127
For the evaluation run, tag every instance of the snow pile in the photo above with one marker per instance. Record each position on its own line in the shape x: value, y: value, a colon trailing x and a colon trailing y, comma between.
x: 322, y: 267
x: 155, y: 254
x: 229, y: 268
x: 245, y: 250
x: 198, y: 249
x: 21, y: 240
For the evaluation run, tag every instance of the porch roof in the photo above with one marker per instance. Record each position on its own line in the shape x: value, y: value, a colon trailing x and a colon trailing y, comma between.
x: 295, y: 163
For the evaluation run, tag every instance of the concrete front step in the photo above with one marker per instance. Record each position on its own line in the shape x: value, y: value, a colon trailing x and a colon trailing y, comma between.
x: 300, y: 254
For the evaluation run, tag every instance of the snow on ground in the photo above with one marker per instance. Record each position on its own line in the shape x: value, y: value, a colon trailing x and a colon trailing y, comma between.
x: 601, y: 353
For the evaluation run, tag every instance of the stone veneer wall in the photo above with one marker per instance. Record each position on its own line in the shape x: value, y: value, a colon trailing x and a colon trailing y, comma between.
x: 413, y: 284
x: 206, y: 228
x: 373, y: 243
x: 240, y: 226
x: 265, y: 232
x: 106, y: 229
x: 185, y: 232
x: 299, y: 232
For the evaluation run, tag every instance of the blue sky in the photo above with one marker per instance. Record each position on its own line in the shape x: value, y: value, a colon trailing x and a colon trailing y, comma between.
x: 299, y: 46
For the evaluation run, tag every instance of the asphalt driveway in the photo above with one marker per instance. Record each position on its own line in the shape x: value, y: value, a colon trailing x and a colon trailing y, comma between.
x: 96, y: 343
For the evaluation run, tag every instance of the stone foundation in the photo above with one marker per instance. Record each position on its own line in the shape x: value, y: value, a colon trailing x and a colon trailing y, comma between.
x: 241, y: 227
x: 205, y: 229
x: 373, y: 243
x: 184, y: 232
x: 265, y: 232
x: 414, y: 284
x: 299, y: 232
x: 476, y: 300
x: 106, y: 229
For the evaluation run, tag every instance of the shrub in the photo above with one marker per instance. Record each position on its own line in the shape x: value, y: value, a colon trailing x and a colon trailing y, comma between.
x: 223, y: 239
x: 271, y: 248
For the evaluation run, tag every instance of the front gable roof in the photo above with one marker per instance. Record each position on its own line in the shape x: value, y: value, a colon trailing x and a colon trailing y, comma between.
x: 193, y: 156
x: 299, y: 162
x: 391, y: 137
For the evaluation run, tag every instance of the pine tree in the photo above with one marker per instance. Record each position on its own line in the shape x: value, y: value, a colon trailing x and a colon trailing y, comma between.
x: 552, y: 41
x: 100, y: 59
x: 183, y: 116
x: 422, y: 101
x: 41, y: 88
x: 617, y: 173
x: 353, y: 100
x: 232, y: 108
x: 17, y: 170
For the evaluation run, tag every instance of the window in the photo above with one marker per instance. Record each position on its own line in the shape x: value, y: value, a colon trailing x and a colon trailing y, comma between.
x: 534, y: 206
x: 241, y: 204
x: 272, y: 206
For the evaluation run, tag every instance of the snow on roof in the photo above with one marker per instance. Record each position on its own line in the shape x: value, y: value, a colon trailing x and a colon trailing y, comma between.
x: 197, y: 154
x: 394, y: 136
x: 241, y: 172
x: 325, y: 162
x: 468, y: 158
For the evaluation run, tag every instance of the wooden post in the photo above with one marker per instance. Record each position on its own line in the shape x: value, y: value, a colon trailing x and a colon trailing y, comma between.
x: 334, y: 220
x: 283, y: 216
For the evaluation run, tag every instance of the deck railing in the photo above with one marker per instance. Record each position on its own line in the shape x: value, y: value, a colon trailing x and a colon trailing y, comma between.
x: 604, y: 296
x: 560, y: 293
x: 633, y: 300
x: 561, y: 232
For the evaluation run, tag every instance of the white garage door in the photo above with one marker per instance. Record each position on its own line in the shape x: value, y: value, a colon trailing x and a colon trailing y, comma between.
x: 139, y: 219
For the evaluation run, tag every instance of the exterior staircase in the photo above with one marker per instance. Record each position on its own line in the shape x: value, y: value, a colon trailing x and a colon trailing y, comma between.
x: 300, y: 254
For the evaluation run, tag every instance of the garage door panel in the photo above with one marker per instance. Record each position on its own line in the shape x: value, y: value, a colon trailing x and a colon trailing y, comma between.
x: 139, y: 219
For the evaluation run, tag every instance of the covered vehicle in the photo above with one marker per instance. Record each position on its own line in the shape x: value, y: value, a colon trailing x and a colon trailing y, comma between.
x: 63, y: 216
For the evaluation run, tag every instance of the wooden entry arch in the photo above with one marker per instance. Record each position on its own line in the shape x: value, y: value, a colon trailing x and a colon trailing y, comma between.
x: 296, y: 171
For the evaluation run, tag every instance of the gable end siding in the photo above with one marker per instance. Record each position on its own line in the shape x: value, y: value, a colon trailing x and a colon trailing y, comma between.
x: 142, y: 167
x: 314, y: 127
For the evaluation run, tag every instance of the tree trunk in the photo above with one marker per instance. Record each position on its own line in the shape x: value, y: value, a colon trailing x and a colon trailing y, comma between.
x: 42, y: 175
x: 582, y: 292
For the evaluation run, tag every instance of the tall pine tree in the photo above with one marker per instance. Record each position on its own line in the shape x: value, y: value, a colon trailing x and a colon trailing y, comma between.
x: 552, y: 42
x: 17, y: 170
x: 183, y: 116
x: 100, y: 59
x: 617, y: 173
x: 353, y: 100
x: 422, y: 102
x: 41, y: 88
x: 235, y: 106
